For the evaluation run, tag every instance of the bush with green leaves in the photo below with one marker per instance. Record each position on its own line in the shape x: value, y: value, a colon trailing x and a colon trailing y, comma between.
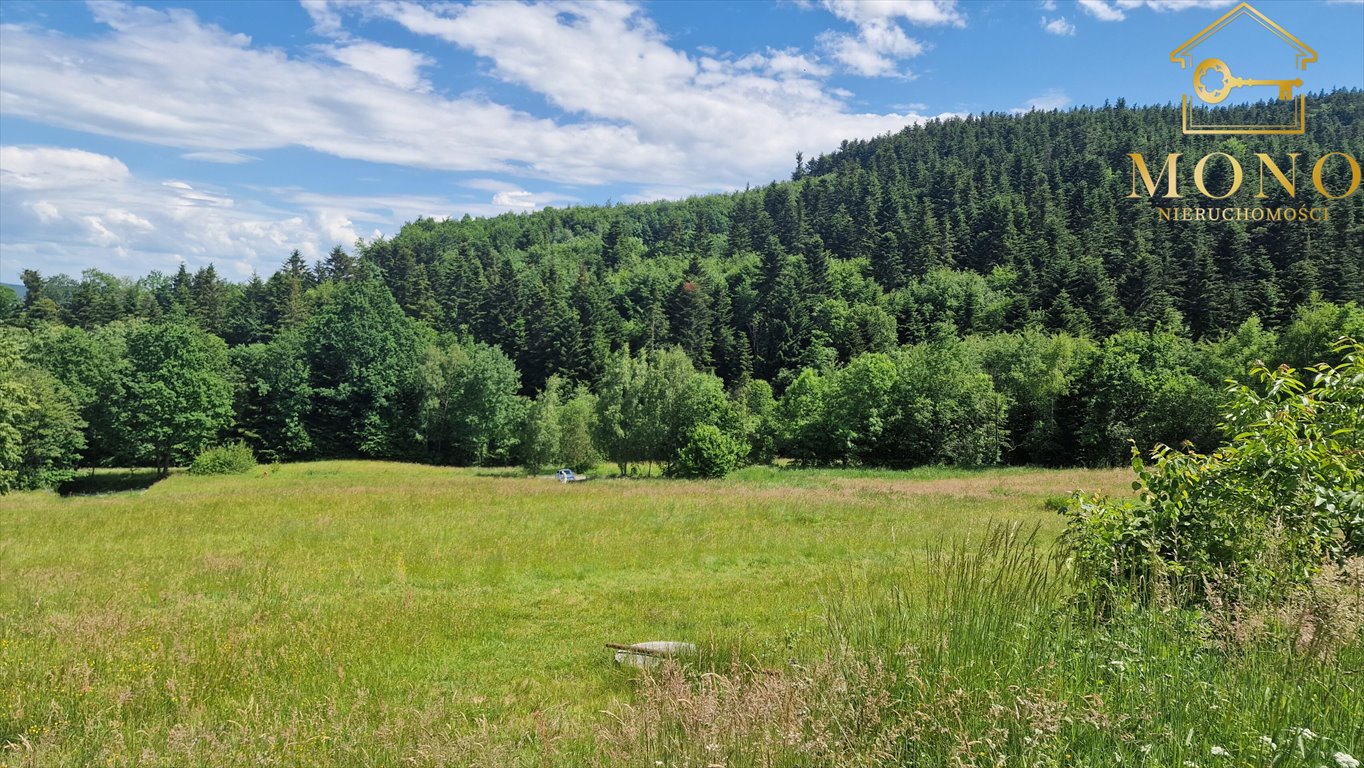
x: 708, y: 452
x: 928, y: 403
x: 40, y: 424
x: 230, y: 459
x: 577, y: 419
x: 176, y: 393
x: 1262, y: 513
x: 648, y: 404
x: 557, y: 429
x: 1143, y: 387
x: 470, y: 412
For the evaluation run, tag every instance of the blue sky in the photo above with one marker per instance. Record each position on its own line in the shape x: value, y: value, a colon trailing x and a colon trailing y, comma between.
x: 134, y: 136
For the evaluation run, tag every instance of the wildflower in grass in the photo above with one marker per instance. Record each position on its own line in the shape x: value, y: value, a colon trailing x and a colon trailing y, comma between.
x: 1268, y: 742
x: 1303, y: 733
x: 1345, y: 761
x: 1220, y: 752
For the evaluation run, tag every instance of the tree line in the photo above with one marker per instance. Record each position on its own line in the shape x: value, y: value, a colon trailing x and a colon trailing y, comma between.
x: 966, y: 291
x: 360, y: 378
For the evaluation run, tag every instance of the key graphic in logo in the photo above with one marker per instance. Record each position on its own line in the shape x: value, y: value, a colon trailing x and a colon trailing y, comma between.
x: 1214, y: 81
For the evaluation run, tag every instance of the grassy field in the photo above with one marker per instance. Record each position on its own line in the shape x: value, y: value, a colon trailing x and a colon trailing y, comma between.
x: 276, y: 614
x: 383, y: 614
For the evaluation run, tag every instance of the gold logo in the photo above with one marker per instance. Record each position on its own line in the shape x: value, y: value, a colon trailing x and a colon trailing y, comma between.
x: 1212, y: 69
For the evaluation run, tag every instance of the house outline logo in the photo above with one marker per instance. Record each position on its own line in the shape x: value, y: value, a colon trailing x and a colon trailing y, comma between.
x: 1183, y: 55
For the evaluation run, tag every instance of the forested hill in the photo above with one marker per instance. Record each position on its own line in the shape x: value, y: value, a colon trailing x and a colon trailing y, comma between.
x: 990, y: 223
x: 966, y: 292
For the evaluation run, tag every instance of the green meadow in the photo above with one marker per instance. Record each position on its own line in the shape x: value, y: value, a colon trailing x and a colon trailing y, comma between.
x: 379, y: 614
x: 265, y: 610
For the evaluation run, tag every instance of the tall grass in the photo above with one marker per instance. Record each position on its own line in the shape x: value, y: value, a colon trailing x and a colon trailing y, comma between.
x: 367, y: 614
x: 988, y: 663
x: 376, y: 614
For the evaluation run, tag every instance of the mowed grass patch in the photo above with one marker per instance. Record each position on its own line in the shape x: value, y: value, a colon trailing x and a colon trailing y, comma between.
x: 365, y: 611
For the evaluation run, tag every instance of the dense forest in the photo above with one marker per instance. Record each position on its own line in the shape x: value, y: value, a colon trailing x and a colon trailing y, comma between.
x: 967, y: 291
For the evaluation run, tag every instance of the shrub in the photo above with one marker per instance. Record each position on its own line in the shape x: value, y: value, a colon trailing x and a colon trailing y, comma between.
x: 577, y: 420
x: 1263, y: 513
x: 231, y: 459
x: 979, y: 662
x: 1143, y: 388
x: 40, y: 425
x: 709, y: 452
x: 924, y: 404
x: 540, y: 432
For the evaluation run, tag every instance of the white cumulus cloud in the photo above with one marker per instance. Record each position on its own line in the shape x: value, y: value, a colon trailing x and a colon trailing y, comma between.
x: 67, y: 209
x: 634, y: 108
x: 880, y: 43
x: 875, y: 51
x: 923, y: 12
x: 1116, y: 10
x: 223, y: 157
x: 32, y: 168
x: 787, y: 62
x: 1101, y: 10
x: 1058, y: 26
x: 397, y: 66
x: 1053, y: 98
x: 699, y: 123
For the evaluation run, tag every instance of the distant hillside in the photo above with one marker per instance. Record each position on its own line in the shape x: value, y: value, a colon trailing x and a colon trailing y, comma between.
x: 994, y: 222
x: 997, y: 222
x: 19, y: 289
x: 845, y: 291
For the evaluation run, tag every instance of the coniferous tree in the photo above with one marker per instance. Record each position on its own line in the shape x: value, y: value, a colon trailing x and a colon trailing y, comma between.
x: 249, y: 313
x: 338, y: 266
x: 288, y: 286
x: 274, y: 397
x: 181, y: 298
x: 362, y: 355
x: 210, y: 298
